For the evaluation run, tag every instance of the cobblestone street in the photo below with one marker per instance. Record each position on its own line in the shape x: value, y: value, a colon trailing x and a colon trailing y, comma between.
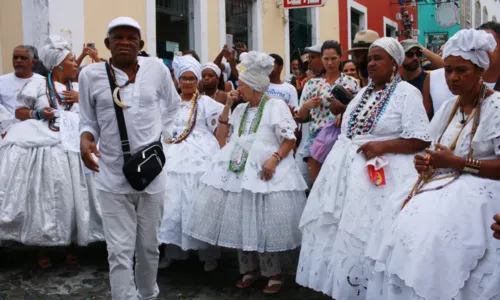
x: 21, y: 279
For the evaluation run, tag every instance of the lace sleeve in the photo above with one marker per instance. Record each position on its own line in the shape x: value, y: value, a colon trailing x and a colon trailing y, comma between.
x: 414, y: 121
x: 213, y: 109
x: 489, y: 126
x: 283, y: 121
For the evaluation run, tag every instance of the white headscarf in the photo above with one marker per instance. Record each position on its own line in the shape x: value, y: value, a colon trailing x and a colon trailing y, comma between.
x: 213, y: 67
x: 471, y: 44
x: 186, y: 63
x: 391, y: 46
x: 54, y: 52
x: 254, y: 70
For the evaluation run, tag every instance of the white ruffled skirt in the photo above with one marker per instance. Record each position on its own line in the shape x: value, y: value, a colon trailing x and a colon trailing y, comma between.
x: 440, y: 246
x: 46, y: 199
x: 245, y: 220
x: 178, y: 204
x: 337, y: 221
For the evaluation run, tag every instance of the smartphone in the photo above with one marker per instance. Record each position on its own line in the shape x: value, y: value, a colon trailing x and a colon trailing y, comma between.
x: 91, y: 45
x: 229, y: 41
x: 340, y: 94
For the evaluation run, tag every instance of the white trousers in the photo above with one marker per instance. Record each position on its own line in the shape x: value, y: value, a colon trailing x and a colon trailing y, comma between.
x: 131, y: 224
x: 269, y: 262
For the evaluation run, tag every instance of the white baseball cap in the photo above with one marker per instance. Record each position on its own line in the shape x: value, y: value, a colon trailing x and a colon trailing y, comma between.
x: 124, y: 21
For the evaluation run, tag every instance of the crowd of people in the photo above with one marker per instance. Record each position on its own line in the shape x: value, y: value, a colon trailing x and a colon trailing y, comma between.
x: 384, y: 174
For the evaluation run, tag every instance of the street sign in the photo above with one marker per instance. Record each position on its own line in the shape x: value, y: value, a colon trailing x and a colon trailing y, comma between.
x: 289, y: 4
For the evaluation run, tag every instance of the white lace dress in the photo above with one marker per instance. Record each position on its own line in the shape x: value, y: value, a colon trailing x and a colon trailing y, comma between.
x: 239, y: 210
x: 343, y: 202
x: 185, y: 164
x: 46, y: 195
x: 440, y: 246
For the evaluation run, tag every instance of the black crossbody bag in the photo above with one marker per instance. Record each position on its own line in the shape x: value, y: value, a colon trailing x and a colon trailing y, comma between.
x: 141, y: 168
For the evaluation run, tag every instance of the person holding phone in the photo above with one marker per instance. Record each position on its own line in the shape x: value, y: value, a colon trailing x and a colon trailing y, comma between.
x: 317, y: 98
x: 90, y: 51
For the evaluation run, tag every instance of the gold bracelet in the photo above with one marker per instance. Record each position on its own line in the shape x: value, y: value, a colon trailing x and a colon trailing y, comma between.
x: 472, y: 166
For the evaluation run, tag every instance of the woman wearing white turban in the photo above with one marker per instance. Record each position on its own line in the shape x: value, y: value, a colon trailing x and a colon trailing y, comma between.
x: 45, y: 199
x: 437, y: 242
x: 211, y: 75
x: 253, y: 194
x: 188, y: 151
x: 382, y: 125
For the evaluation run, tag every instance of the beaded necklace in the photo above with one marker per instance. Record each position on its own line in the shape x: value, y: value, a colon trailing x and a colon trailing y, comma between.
x: 433, y: 175
x: 238, y: 165
x: 54, y: 98
x: 190, y: 124
x: 363, y: 120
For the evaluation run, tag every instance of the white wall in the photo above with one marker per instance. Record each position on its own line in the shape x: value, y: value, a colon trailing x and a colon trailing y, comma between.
x: 54, y: 17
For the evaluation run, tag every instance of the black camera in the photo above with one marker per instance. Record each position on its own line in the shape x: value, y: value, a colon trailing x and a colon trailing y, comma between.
x: 341, y: 94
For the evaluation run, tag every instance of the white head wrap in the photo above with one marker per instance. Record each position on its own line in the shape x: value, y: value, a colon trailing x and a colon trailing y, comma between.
x: 186, y: 63
x: 213, y: 67
x: 391, y: 46
x: 254, y: 70
x: 471, y: 44
x: 54, y: 52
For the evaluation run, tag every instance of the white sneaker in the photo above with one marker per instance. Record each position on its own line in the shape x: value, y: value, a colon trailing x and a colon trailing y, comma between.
x: 211, y: 265
x: 165, y: 262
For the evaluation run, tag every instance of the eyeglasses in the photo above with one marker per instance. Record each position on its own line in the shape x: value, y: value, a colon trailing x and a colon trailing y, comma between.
x: 410, y: 54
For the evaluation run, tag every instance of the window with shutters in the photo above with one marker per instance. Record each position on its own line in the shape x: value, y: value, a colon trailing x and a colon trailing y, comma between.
x: 300, y: 30
x: 239, y: 21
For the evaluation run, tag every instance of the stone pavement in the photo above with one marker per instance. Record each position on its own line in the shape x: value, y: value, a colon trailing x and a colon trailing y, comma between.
x: 186, y: 280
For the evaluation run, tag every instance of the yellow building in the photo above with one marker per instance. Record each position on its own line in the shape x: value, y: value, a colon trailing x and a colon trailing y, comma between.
x: 168, y: 25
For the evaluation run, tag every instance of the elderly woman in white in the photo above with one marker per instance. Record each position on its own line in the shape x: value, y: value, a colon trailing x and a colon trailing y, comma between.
x: 439, y: 246
x: 382, y: 126
x: 44, y: 196
x: 188, y: 151
x: 253, y: 194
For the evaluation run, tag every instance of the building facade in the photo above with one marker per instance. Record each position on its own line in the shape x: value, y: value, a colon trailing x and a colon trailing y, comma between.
x: 477, y: 12
x: 439, y: 20
x: 169, y: 25
x: 380, y: 16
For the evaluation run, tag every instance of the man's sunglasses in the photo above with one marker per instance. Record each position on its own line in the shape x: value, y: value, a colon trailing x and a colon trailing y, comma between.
x: 410, y: 54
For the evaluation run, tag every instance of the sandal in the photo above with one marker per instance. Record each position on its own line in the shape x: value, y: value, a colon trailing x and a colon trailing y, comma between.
x: 44, y: 261
x: 274, y: 285
x: 247, y: 280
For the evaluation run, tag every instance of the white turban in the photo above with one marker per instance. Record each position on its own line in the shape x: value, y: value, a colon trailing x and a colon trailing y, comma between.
x: 392, y: 47
x: 471, y: 44
x: 254, y: 70
x: 213, y: 67
x: 54, y: 52
x: 186, y: 63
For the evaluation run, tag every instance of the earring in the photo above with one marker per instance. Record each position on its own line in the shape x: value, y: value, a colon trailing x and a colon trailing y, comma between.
x: 61, y: 68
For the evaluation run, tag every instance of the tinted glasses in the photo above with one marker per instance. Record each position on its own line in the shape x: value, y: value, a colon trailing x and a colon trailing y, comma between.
x: 411, y: 54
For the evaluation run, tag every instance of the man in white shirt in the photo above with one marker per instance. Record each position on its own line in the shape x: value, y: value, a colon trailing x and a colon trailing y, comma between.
x: 11, y: 84
x: 279, y: 89
x: 131, y: 218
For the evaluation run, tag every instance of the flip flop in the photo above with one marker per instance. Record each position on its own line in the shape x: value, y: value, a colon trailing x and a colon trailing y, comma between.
x: 247, y: 281
x: 274, y: 285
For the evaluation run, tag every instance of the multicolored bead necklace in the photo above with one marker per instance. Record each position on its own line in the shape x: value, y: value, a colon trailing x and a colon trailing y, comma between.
x: 55, y: 98
x: 190, y: 124
x: 363, y: 120
x: 238, y: 165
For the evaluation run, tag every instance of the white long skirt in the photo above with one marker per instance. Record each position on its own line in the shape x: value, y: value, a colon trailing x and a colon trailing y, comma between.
x: 245, y: 220
x: 45, y: 199
x: 440, y: 246
x: 178, y: 203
